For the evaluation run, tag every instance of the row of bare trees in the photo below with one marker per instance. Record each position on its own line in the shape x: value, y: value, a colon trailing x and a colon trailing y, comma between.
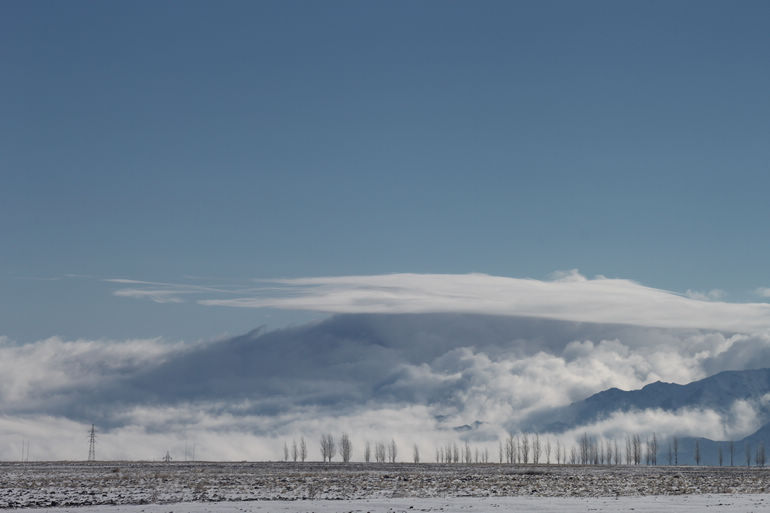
x: 384, y: 452
x: 298, y: 452
x: 528, y: 448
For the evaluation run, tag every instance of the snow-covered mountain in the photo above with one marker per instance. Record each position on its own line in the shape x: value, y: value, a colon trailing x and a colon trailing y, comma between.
x: 717, y: 393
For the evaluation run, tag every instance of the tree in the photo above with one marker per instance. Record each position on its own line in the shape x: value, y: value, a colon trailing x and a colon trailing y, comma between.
x: 468, y: 457
x: 760, y: 457
x: 367, y: 452
x: 536, y: 449
x: 637, y: 444
x: 653, y: 449
x: 585, y: 449
x: 501, y: 450
x: 558, y: 451
x: 525, y: 448
x: 547, y: 451
x: 302, y: 449
x: 416, y: 454
x: 732, y: 453
x: 392, y: 451
x: 328, y: 447
x: 285, y: 452
x: 748, y: 454
x: 379, y: 452
x: 294, y: 450
x: 346, y: 447
x: 697, y: 452
x: 629, y: 451
x: 719, y: 455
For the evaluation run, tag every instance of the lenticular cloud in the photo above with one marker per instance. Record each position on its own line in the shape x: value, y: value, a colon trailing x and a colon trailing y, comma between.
x: 569, y: 296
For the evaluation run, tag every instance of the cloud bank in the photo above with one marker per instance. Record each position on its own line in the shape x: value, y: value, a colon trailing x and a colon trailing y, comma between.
x: 413, y: 377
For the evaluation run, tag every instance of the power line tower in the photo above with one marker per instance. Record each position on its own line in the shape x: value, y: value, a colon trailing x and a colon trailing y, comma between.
x: 92, y: 444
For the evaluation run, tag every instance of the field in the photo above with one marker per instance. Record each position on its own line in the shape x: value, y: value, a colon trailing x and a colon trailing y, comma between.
x: 68, y: 484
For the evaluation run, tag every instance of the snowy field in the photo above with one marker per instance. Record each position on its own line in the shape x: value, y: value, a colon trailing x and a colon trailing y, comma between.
x: 144, y: 487
x: 649, y: 504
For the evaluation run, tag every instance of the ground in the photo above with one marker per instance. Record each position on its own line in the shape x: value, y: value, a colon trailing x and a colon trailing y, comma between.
x: 250, y: 487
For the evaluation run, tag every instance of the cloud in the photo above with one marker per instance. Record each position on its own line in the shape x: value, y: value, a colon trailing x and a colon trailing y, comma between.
x: 741, y: 421
x: 42, y: 373
x: 163, y: 292
x: 414, y: 377
x: 762, y: 291
x: 710, y: 295
x: 569, y: 296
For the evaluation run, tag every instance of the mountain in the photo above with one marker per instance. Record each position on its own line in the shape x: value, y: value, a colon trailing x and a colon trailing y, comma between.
x: 718, y: 393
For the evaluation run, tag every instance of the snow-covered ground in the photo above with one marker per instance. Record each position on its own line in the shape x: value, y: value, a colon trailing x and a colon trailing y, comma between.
x: 746, y: 503
x: 145, y: 487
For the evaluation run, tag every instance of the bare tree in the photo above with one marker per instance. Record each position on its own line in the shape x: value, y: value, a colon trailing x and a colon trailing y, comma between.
x: 416, y: 454
x: 748, y: 454
x: 501, y: 450
x: 637, y: 443
x: 392, y: 451
x: 285, y: 452
x: 585, y: 449
x: 558, y: 451
x: 379, y: 452
x: 294, y: 450
x: 468, y: 458
x: 328, y: 447
x: 719, y: 455
x: 525, y: 448
x: 697, y: 452
x: 536, y: 448
x: 346, y: 447
x: 629, y: 451
x: 367, y: 452
x: 302, y: 449
x: 455, y: 453
x: 760, y: 457
x: 732, y: 453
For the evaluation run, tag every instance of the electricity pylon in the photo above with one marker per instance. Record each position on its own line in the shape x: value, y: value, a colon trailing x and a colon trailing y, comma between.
x: 92, y: 444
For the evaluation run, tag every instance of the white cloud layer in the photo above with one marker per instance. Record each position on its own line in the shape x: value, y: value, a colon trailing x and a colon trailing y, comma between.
x: 414, y: 378
x: 570, y: 296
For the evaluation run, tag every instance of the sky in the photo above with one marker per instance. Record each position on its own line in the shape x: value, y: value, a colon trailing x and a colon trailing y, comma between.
x: 188, y: 142
x: 571, y: 186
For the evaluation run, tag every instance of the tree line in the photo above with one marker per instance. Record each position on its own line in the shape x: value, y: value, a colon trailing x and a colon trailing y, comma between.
x: 531, y: 448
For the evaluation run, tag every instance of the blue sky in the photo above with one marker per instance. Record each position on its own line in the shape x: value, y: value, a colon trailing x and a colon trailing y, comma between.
x: 216, y: 143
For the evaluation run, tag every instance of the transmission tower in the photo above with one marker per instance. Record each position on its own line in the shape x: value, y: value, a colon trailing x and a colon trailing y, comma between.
x: 92, y: 444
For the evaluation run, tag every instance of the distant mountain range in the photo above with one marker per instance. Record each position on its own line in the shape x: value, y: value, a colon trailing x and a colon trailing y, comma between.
x: 718, y: 393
